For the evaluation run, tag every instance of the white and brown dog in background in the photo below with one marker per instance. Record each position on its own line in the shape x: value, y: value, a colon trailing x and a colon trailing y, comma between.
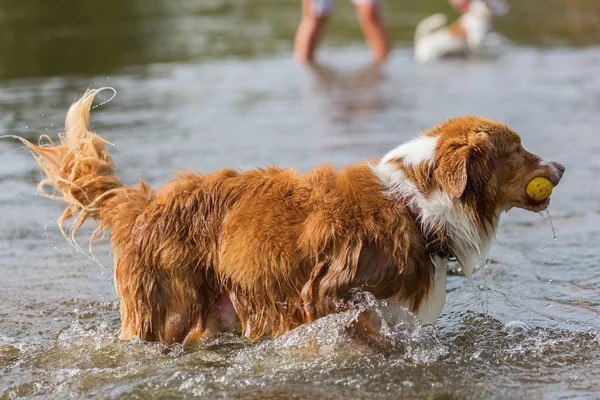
x: 435, y: 39
x: 267, y: 250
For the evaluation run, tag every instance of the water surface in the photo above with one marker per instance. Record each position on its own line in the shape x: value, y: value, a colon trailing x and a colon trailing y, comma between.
x: 208, y: 85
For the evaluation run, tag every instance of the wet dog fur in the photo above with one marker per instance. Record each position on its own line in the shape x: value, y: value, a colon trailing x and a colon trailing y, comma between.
x: 267, y: 250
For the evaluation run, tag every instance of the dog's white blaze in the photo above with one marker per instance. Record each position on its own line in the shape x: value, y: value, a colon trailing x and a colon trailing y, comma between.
x: 413, y: 152
x: 554, y: 171
x: 544, y: 162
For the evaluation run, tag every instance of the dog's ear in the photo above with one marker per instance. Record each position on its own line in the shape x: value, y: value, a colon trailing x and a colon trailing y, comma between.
x: 460, y: 158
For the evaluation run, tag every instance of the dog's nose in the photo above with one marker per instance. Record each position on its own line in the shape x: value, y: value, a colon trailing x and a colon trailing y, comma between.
x: 559, y: 170
x: 559, y: 167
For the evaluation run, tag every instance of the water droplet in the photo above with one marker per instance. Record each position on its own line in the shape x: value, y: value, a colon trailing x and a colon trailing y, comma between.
x: 552, y: 225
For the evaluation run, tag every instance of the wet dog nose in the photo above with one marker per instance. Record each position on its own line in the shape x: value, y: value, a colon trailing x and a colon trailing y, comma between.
x: 559, y: 167
x: 558, y: 172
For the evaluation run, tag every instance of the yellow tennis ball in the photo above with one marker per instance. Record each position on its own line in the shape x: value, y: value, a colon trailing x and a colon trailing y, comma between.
x: 539, y: 188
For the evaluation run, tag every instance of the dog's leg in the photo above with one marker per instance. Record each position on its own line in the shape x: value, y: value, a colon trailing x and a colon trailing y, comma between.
x: 201, y: 330
x: 308, y: 294
x: 366, y: 329
x: 310, y: 311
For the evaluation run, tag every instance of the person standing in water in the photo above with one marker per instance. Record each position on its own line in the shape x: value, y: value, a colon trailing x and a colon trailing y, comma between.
x: 314, y: 18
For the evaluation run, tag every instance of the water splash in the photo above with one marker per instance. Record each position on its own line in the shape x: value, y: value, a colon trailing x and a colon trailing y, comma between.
x: 333, y: 340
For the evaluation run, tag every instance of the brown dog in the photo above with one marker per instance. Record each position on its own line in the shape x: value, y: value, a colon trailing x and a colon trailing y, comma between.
x: 273, y: 249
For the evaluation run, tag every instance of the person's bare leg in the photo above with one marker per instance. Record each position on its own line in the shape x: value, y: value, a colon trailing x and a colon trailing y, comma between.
x: 309, y: 33
x: 374, y: 31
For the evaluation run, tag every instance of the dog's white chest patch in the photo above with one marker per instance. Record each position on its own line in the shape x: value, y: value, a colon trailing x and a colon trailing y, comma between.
x: 432, y: 306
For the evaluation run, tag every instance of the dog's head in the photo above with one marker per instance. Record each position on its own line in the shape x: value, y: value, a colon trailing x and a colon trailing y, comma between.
x: 473, y: 164
x: 483, y: 164
x: 459, y: 177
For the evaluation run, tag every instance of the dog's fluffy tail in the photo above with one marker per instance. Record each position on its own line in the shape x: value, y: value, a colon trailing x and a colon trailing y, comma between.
x: 430, y: 24
x: 79, y: 171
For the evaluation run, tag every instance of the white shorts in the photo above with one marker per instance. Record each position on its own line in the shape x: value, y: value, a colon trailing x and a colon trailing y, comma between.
x: 322, y: 7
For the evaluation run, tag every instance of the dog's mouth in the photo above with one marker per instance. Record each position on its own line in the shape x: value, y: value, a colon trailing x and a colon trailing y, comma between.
x: 553, y: 175
x: 536, y: 206
x: 530, y: 204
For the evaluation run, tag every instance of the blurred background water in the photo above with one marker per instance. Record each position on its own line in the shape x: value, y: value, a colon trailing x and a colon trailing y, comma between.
x: 209, y: 84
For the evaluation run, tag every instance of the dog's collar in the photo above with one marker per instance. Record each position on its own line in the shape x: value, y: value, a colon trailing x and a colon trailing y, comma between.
x: 435, y: 239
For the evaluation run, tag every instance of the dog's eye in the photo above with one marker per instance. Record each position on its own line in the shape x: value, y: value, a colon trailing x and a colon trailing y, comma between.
x: 509, y: 151
x: 517, y: 150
